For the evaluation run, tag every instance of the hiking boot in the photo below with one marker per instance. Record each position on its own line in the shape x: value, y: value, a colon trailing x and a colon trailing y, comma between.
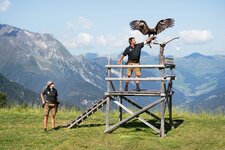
x: 53, y: 129
x: 45, y: 130
x: 137, y: 87
x: 126, y: 87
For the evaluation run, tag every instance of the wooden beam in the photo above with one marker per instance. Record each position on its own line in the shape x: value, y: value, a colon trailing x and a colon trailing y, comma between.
x: 114, y: 127
x: 134, y: 93
x: 139, y: 118
x: 138, y: 106
x: 134, y: 79
x: 120, y: 109
x: 140, y: 79
x: 134, y: 66
x: 108, y: 98
x: 113, y: 88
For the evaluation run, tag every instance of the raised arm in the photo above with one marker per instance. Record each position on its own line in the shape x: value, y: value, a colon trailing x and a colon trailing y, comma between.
x: 121, y: 58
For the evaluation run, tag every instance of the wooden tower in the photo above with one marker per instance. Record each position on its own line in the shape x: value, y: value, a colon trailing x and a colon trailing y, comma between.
x: 117, y: 96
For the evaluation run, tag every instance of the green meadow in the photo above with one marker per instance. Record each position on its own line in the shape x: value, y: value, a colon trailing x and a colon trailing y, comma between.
x: 22, y: 128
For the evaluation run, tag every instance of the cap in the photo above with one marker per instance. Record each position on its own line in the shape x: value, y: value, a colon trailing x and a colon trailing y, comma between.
x: 49, y: 83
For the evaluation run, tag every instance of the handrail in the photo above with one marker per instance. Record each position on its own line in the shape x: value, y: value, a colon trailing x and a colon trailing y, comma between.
x: 134, y: 66
x: 139, y: 79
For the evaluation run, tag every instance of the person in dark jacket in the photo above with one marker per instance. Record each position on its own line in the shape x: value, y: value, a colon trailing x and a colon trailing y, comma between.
x: 134, y: 52
x: 49, y: 97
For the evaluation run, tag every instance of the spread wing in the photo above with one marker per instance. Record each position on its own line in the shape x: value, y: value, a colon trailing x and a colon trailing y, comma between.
x: 140, y: 25
x: 163, y: 24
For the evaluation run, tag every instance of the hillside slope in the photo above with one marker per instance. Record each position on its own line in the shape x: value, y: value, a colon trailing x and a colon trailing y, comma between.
x: 17, y: 93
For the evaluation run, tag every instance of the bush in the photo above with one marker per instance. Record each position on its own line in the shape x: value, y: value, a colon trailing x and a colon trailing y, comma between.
x: 3, y: 100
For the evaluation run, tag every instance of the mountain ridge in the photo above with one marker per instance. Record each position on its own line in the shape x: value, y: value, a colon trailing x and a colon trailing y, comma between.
x: 31, y: 59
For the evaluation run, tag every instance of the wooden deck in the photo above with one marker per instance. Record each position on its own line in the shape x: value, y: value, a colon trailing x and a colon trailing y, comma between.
x: 135, y: 93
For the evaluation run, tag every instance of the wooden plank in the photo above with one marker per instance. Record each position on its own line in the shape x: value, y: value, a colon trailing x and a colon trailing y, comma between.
x: 139, y: 118
x: 168, y: 78
x: 114, y: 127
x: 135, y: 79
x: 130, y: 94
x: 135, y: 93
x: 134, y: 66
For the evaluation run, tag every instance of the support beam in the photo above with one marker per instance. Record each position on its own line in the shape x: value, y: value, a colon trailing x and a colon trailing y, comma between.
x: 107, y: 113
x: 112, y: 86
x: 108, y: 98
x: 138, y: 106
x: 121, y: 99
x: 120, y: 109
x: 162, y: 128
x: 114, y: 127
x: 139, y: 118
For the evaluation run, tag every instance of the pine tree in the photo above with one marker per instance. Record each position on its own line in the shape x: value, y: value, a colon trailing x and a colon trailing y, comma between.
x: 3, y: 100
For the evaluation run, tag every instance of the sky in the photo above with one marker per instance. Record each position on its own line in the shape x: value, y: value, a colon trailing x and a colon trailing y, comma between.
x: 101, y: 26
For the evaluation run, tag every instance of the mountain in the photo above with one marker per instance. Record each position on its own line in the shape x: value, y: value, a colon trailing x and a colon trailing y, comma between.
x: 197, y: 55
x: 31, y: 59
x: 214, y: 101
x: 199, y: 79
x: 17, y: 94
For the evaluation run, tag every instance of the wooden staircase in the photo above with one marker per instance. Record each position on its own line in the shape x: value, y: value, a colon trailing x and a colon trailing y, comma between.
x: 100, y: 103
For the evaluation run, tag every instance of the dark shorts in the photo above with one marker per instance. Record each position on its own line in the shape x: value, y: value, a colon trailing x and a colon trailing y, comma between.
x: 50, y: 108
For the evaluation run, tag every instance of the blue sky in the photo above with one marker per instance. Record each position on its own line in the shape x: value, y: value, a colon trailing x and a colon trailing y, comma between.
x: 103, y: 26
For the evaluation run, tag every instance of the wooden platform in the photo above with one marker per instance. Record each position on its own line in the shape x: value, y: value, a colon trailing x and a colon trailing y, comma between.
x: 135, y: 93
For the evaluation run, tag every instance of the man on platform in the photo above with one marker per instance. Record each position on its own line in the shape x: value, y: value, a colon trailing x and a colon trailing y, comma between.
x: 134, y: 52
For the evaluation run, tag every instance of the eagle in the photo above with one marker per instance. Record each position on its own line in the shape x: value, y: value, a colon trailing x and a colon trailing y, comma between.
x: 142, y: 26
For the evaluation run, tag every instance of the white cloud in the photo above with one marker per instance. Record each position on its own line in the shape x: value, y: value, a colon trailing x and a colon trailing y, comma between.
x: 79, y: 23
x: 82, y: 40
x: 119, y: 40
x: 110, y: 40
x: 86, y: 41
x: 4, y: 5
x: 196, y: 36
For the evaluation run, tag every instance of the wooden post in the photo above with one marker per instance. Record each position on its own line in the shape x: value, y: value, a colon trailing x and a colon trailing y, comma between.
x: 162, y: 128
x: 161, y: 54
x: 108, y: 98
x: 163, y: 90
x: 170, y: 99
x: 121, y: 99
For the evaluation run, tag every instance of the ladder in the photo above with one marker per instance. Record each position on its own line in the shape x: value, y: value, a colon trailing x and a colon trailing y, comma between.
x: 100, y: 103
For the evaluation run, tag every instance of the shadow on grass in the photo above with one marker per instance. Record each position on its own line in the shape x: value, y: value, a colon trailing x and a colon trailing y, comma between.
x: 140, y: 126
x: 90, y: 125
x: 80, y: 126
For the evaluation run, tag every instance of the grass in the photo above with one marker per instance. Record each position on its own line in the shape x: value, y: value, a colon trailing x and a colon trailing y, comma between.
x: 23, y: 129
